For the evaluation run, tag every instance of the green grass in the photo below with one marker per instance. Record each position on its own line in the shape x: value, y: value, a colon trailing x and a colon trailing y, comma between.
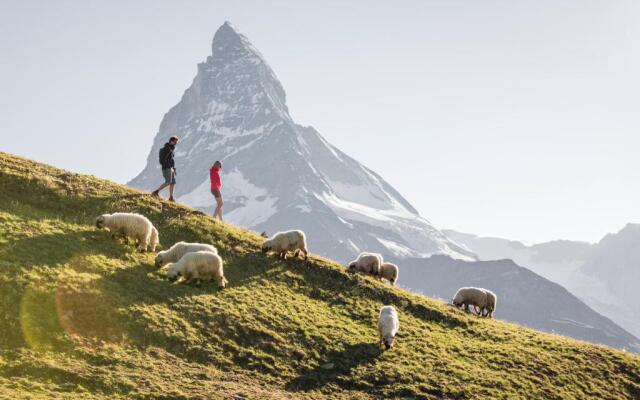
x: 85, y: 316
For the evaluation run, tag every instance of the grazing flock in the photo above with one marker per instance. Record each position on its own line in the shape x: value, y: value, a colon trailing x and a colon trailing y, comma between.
x: 200, y: 262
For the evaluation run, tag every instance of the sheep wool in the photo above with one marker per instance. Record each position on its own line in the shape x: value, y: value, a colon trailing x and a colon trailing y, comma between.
x: 388, y: 326
x: 131, y: 225
x: 389, y: 272
x: 473, y: 296
x: 283, y: 242
x: 367, y: 263
x: 490, y: 306
x: 199, y: 266
x: 175, y: 252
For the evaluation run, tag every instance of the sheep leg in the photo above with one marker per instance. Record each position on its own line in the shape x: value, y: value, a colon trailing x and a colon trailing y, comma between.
x: 296, y: 253
x: 283, y: 255
x: 143, y: 243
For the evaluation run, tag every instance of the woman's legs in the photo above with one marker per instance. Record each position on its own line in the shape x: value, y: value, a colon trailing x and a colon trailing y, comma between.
x: 218, y: 211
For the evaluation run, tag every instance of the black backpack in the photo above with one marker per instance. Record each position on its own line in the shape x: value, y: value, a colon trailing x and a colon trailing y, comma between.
x: 162, y: 155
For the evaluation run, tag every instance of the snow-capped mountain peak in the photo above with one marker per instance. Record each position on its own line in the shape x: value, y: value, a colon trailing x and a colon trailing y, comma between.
x: 277, y: 174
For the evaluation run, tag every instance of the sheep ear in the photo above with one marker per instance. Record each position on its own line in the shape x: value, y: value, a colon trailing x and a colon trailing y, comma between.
x: 264, y: 235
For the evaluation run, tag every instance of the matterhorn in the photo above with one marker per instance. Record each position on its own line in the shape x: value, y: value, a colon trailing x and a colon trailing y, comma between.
x: 279, y: 175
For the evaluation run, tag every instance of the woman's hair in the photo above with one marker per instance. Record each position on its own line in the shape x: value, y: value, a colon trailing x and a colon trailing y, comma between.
x: 218, y: 164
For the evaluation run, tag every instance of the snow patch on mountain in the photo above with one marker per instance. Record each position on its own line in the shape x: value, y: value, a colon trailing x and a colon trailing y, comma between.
x: 200, y: 197
x: 256, y: 205
x: 396, y: 248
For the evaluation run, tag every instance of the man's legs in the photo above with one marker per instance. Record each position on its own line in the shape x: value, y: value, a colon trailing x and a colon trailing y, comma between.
x: 172, y: 185
x: 169, y: 180
x: 157, y: 191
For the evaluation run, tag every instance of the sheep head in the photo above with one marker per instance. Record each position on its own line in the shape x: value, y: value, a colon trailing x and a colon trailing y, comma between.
x: 173, y: 273
x: 388, y: 341
x: 223, y: 283
x: 266, y: 246
x: 158, y: 260
x: 100, y: 222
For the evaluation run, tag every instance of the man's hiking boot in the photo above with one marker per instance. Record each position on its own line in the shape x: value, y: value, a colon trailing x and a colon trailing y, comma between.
x: 155, y: 193
x: 172, y: 199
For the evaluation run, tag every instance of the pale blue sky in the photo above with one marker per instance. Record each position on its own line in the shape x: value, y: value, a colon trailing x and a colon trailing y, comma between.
x: 509, y: 118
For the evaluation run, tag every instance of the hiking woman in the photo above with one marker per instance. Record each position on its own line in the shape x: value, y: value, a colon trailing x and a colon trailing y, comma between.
x: 214, y: 174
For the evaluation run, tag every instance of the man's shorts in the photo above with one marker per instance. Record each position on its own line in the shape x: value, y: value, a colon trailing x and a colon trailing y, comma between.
x: 216, y: 193
x: 169, y: 176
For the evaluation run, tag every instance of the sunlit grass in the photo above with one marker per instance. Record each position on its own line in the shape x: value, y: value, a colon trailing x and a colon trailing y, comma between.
x: 85, y: 316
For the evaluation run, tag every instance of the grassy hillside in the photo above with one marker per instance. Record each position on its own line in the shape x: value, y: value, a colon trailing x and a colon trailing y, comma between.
x: 86, y: 316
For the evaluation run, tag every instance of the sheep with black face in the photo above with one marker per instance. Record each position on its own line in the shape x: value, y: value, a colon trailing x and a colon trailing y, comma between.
x: 471, y: 296
x: 283, y: 242
x: 389, y: 272
x: 388, y: 326
x: 130, y: 225
x: 367, y: 263
x: 199, y: 266
x: 175, y: 252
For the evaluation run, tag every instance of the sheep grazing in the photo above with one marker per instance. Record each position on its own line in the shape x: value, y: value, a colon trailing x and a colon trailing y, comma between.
x: 283, y: 242
x: 179, y: 249
x: 389, y: 272
x: 367, y: 263
x: 490, y: 306
x: 197, y: 267
x: 482, y: 300
x: 131, y: 225
x: 388, y: 325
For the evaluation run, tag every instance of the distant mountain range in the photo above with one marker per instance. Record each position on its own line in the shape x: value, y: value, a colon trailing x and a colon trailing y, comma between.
x: 605, y: 275
x: 277, y: 174
x: 523, y: 297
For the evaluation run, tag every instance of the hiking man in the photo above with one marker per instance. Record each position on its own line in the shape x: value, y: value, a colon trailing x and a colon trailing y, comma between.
x: 168, y: 167
x: 214, y: 175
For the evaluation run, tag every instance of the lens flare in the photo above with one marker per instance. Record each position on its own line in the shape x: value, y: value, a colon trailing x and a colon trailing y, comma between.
x: 83, y: 305
x: 38, y: 319
x: 78, y: 307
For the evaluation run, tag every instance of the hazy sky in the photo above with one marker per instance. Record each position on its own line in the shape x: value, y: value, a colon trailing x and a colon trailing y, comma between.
x: 508, y: 118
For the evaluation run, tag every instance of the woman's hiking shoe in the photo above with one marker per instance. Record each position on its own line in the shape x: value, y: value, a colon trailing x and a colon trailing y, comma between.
x: 172, y: 199
x: 155, y: 193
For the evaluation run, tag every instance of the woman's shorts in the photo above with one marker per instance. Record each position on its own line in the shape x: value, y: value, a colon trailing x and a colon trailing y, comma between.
x: 216, y: 193
x: 169, y: 176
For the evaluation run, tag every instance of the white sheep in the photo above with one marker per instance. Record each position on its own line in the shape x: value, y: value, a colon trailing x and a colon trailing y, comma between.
x: 198, y: 266
x: 388, y: 325
x: 283, y: 242
x: 389, y: 272
x: 466, y: 296
x: 175, y: 252
x: 490, y: 306
x: 131, y: 225
x: 367, y: 263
